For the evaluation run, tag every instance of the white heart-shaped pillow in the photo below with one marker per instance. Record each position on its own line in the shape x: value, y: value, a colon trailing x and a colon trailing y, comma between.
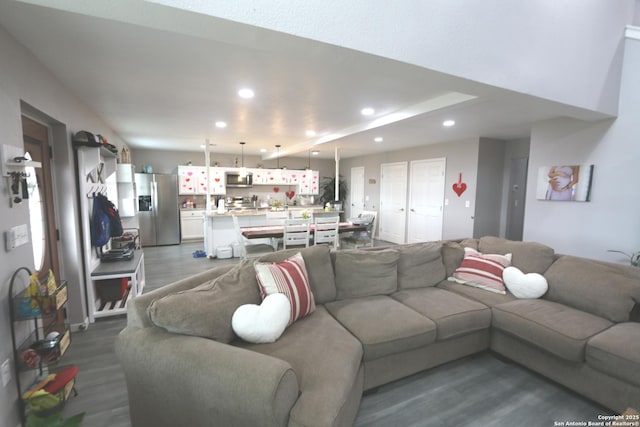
x: 531, y: 285
x: 262, y: 323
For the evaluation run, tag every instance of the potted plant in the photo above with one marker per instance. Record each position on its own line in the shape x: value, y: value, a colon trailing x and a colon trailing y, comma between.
x: 328, y: 190
x: 634, y: 258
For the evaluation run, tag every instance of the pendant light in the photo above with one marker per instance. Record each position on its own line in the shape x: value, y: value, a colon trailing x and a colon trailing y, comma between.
x: 243, y: 170
x: 278, y: 156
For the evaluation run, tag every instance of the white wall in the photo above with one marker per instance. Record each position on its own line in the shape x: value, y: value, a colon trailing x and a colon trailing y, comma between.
x: 611, y: 220
x: 541, y: 47
x: 461, y: 157
x: 24, y: 80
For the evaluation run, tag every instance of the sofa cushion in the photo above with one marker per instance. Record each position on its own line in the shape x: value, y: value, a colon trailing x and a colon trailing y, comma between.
x: 596, y: 287
x: 319, y: 266
x: 482, y: 271
x: 383, y: 325
x: 207, y: 309
x: 362, y: 273
x: 288, y: 277
x: 420, y: 265
x: 454, y: 315
x: 616, y: 352
x: 326, y: 359
x: 487, y: 298
x: 452, y: 255
x: 556, y: 328
x: 530, y: 257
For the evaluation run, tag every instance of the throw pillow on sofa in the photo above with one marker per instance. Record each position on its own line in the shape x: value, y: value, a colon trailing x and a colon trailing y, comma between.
x: 524, y: 286
x: 206, y: 310
x: 317, y: 260
x: 361, y: 273
x: 262, y: 323
x: 290, y: 278
x: 482, y: 271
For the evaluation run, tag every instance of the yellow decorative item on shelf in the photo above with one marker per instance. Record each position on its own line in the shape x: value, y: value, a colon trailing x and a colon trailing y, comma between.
x: 33, y: 291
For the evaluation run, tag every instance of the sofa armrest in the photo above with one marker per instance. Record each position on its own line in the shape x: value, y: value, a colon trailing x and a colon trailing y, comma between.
x: 176, y: 380
x: 137, y: 307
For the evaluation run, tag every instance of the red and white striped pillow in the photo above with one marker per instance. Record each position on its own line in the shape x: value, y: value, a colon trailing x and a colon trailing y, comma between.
x: 482, y: 270
x: 290, y: 278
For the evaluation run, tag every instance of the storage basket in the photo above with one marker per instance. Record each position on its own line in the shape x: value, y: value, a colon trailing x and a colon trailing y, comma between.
x: 112, y: 289
x: 224, y: 252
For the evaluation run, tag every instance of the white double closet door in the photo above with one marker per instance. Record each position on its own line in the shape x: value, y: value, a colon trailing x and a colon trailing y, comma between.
x: 419, y: 220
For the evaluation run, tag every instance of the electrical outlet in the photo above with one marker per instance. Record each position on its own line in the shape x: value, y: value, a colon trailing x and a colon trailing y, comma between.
x: 5, y: 370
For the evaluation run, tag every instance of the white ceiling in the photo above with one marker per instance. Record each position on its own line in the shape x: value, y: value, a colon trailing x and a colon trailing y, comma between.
x: 165, y: 87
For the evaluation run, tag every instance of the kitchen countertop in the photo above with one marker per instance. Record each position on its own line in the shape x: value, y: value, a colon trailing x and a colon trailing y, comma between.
x: 262, y: 211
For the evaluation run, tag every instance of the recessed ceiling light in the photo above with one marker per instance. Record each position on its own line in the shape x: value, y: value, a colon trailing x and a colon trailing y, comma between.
x: 246, y: 93
x: 448, y: 123
x: 221, y: 124
x: 367, y: 111
x: 315, y: 152
x: 263, y: 150
x: 378, y: 139
x: 311, y: 133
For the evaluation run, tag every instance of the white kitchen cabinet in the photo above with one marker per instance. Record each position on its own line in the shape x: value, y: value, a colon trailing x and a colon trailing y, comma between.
x: 192, y: 180
x: 125, y: 173
x: 287, y: 177
x: 309, y: 183
x: 192, y: 224
x: 189, y: 179
x: 218, y: 183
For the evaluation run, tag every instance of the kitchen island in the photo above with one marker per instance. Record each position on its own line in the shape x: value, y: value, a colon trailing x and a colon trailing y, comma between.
x: 220, y: 231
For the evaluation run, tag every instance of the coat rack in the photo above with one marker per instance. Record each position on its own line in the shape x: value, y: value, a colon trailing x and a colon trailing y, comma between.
x: 14, y: 163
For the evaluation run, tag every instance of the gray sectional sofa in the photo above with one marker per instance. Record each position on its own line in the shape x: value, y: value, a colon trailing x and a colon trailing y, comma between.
x: 381, y: 314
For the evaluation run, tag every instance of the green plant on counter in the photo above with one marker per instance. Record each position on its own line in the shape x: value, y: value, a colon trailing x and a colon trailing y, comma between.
x: 55, y: 420
x: 328, y: 190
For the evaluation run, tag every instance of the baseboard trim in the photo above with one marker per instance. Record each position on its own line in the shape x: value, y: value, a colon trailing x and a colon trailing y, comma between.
x: 76, y: 327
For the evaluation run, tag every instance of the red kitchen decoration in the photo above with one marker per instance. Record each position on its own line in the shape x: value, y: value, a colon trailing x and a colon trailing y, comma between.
x: 290, y: 194
x: 459, y: 187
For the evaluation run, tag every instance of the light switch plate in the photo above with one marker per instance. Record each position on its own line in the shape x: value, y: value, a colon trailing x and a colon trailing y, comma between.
x: 16, y: 236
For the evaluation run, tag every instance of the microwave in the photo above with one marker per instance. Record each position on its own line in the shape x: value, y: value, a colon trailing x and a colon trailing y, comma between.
x: 237, y: 179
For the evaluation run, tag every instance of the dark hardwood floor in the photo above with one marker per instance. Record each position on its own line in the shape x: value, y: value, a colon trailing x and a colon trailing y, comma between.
x: 481, y: 390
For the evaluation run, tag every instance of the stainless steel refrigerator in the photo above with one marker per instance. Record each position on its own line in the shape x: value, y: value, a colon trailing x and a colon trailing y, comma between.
x: 159, y: 214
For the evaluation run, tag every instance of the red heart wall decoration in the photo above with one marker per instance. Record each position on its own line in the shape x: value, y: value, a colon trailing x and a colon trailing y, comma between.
x: 459, y: 187
x: 276, y: 189
x: 290, y: 194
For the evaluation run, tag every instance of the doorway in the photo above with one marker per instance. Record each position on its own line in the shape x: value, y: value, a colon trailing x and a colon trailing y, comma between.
x: 426, y: 200
x: 357, y: 191
x: 393, y: 202
x: 516, y: 198
x: 36, y: 143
